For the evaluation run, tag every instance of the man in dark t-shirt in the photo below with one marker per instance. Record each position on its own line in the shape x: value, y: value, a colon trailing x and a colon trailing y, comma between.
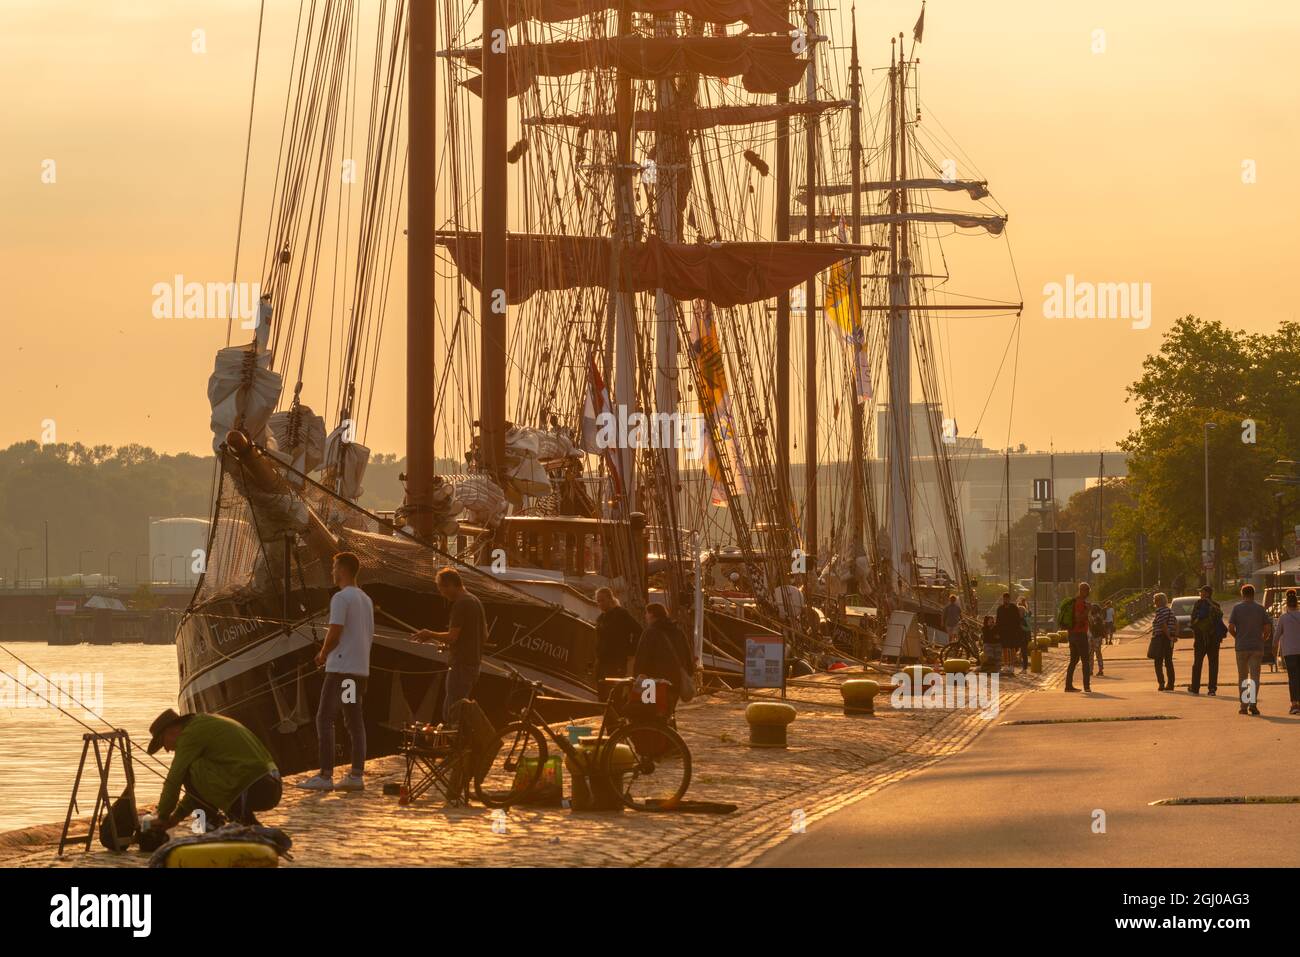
x: 464, y: 637
x: 617, y: 632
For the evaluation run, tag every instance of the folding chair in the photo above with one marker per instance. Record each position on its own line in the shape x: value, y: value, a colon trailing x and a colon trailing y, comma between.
x: 447, y: 757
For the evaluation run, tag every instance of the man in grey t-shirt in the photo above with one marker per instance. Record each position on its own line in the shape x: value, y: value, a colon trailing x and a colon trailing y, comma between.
x: 1252, y: 629
x: 464, y: 637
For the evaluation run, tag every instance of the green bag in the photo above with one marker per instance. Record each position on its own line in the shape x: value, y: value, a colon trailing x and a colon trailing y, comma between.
x: 1065, y: 614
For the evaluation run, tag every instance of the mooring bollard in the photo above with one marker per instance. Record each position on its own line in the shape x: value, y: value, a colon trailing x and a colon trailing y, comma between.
x: 956, y: 666
x: 860, y: 695
x: 1036, y: 661
x: 767, y: 723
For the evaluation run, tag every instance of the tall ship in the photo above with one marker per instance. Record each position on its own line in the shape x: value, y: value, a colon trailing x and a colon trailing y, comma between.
x: 617, y: 217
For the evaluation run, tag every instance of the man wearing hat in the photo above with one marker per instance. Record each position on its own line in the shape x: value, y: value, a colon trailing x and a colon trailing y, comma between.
x: 223, y: 767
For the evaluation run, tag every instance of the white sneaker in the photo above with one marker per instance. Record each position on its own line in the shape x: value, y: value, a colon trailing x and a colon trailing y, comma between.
x: 351, y: 782
x: 317, y: 783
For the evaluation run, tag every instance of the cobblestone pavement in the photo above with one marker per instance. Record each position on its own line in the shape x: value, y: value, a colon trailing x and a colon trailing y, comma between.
x: 833, y: 760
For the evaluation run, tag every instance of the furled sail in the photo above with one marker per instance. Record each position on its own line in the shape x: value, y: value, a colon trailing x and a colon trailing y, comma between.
x: 725, y: 274
x: 762, y: 16
x: 703, y: 118
x: 828, y: 222
x: 765, y: 64
x: 975, y: 188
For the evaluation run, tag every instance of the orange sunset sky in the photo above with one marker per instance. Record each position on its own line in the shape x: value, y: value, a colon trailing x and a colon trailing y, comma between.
x: 1124, y: 166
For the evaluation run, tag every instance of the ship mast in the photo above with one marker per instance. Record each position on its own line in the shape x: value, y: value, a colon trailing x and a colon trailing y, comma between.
x: 783, y: 486
x: 422, y: 190
x: 900, y: 347
x: 810, y: 312
x: 858, y: 493
x: 492, y: 285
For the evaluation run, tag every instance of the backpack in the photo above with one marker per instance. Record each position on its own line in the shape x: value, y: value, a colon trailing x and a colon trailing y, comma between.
x: 1065, y: 614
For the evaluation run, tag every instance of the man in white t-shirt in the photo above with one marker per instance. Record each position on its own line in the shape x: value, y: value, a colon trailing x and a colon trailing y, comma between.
x: 345, y: 655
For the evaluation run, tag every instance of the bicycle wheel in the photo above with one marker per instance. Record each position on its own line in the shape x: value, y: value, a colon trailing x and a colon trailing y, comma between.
x: 515, y: 768
x: 647, y: 765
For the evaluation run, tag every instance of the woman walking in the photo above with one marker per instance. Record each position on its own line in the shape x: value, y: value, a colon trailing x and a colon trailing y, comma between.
x: 1161, y: 648
x: 1288, y: 645
x: 1026, y: 632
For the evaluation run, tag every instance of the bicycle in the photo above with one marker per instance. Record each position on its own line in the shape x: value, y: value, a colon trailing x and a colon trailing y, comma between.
x: 644, y: 761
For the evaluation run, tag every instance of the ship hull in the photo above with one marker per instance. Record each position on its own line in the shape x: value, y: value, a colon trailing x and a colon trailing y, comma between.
x: 237, y: 660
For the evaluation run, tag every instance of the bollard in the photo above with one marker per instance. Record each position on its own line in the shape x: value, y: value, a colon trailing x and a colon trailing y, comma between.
x: 1036, y: 661
x: 767, y: 723
x: 859, y: 695
x: 956, y: 666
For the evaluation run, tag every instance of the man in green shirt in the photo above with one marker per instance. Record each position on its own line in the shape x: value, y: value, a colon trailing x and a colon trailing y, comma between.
x: 223, y: 767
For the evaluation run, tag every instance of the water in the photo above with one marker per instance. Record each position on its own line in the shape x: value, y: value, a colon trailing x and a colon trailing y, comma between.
x: 40, y: 748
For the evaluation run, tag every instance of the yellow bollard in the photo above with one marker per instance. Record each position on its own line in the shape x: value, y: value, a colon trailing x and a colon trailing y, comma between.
x: 859, y: 695
x: 1036, y: 661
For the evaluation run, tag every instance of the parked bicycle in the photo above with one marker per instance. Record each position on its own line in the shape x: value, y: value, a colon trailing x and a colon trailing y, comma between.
x: 642, y: 759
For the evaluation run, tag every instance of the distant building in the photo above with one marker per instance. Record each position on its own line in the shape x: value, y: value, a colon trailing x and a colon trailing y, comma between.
x: 175, y: 545
x: 980, y: 480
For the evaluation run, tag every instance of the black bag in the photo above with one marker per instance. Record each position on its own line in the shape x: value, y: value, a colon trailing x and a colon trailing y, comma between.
x: 120, y: 819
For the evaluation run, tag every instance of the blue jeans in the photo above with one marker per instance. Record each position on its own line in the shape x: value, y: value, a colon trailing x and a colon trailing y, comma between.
x: 331, y: 702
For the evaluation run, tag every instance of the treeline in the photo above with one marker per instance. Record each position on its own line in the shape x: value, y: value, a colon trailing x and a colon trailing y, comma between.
x: 98, y: 501
x: 1245, y: 386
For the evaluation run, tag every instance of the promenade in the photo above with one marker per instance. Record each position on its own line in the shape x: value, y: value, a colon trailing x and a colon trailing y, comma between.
x: 833, y: 760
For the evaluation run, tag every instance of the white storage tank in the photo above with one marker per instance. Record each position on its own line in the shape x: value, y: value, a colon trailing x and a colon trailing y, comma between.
x: 172, y: 546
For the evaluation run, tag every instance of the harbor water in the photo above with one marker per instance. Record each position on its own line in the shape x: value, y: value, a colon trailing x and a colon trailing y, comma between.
x: 124, y: 685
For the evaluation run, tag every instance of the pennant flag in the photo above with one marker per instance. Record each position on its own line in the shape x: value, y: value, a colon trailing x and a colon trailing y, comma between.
x: 843, y: 312
x: 920, y: 24
x: 715, y: 401
x: 597, y: 403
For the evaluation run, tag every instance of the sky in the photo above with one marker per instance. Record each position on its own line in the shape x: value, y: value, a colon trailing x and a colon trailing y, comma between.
x: 1119, y: 156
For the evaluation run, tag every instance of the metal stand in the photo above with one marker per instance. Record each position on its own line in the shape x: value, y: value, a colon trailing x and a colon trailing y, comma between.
x: 113, y: 740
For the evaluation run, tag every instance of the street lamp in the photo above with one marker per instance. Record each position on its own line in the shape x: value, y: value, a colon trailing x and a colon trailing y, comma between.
x: 145, y: 556
x: 1208, y: 558
x: 108, y: 566
x: 84, y: 551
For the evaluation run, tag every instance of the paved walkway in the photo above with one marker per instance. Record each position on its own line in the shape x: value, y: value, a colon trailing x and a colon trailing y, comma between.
x: 1033, y: 794
x: 833, y: 760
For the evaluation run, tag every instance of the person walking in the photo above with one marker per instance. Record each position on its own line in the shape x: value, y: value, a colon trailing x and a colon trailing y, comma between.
x: 617, y: 632
x: 1164, y: 629
x: 1010, y: 626
x: 1288, y: 645
x: 663, y: 652
x: 1252, y: 631
x: 1110, y: 623
x: 952, y: 618
x: 1073, y: 616
x: 1208, y: 630
x: 345, y: 655
x: 1026, y: 632
x: 992, y: 651
x: 1096, y: 637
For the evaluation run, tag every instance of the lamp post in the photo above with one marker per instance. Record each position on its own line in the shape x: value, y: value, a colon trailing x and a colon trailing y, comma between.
x: 152, y: 565
x: 108, y: 566
x: 1207, y: 559
x: 145, y: 556
x: 80, y: 573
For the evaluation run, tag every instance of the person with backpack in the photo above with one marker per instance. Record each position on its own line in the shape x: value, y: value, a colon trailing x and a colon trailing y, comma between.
x: 664, y: 652
x: 1208, y: 630
x: 1072, y: 615
x: 1164, y: 632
